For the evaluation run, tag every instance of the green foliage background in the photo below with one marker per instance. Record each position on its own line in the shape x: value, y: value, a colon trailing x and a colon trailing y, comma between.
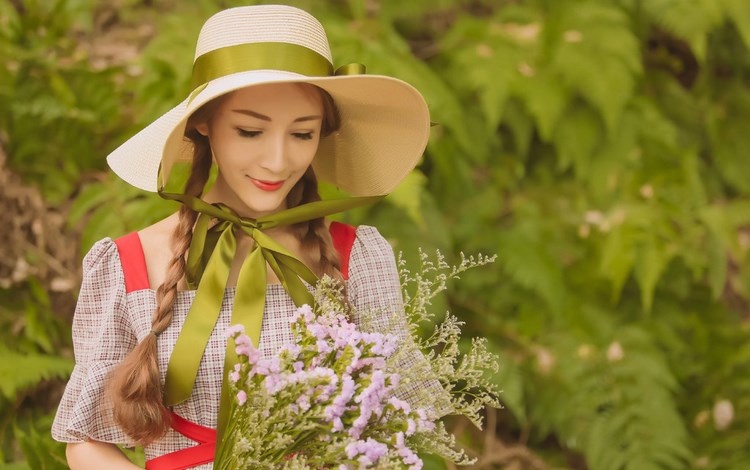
x: 599, y: 147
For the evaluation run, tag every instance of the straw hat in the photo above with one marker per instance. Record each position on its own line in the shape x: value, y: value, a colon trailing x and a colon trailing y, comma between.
x: 384, y: 121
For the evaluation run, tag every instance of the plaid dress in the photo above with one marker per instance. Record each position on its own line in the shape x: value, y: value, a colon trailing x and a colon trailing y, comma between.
x: 109, y: 322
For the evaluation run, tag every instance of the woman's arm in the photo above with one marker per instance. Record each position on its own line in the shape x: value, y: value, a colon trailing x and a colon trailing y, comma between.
x: 95, y: 455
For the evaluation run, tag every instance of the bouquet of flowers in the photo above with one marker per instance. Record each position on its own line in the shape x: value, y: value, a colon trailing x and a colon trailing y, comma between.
x: 345, y: 397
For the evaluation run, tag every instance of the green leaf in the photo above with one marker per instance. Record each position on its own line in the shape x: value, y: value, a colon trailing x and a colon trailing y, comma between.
x: 650, y: 262
x: 546, y: 99
x: 523, y: 252
x: 618, y: 258
x: 728, y: 126
x: 717, y: 266
x: 90, y: 197
x: 510, y: 381
x: 19, y: 371
x: 62, y: 90
x: 408, y: 196
x: 738, y: 11
x: 597, y: 55
x: 576, y: 137
x: 690, y: 20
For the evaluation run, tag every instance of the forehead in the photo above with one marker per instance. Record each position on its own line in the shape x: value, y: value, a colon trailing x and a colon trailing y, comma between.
x: 276, y: 99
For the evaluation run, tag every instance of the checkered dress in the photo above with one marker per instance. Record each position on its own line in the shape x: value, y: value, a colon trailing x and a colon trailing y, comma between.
x: 109, y: 322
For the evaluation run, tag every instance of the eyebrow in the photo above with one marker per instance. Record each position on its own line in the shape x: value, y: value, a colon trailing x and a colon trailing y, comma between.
x: 263, y: 117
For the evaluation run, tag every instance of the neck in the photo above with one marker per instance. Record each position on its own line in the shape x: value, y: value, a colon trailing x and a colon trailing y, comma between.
x: 219, y: 195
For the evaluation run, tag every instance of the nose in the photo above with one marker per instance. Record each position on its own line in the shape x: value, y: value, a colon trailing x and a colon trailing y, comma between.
x: 274, y: 158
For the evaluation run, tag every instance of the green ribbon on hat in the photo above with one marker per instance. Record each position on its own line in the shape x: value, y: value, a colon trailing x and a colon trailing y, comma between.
x: 273, y: 56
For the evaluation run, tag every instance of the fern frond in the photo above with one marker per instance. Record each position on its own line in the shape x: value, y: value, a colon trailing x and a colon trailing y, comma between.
x: 21, y: 371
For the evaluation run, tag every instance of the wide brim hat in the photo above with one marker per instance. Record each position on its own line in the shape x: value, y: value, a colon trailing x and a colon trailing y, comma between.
x: 384, y: 121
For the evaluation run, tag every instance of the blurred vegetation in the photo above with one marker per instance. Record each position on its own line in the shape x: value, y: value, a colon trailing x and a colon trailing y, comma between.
x: 599, y: 147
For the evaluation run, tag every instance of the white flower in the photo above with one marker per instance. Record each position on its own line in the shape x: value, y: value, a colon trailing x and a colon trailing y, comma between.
x: 723, y: 414
x: 615, y: 352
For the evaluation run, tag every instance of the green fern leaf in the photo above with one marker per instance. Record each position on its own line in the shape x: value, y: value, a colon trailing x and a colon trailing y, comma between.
x: 738, y: 11
x: 19, y: 371
x: 651, y: 260
x: 546, y: 99
x: 576, y: 137
x: 690, y: 20
x: 598, y: 56
x: 408, y: 196
x: 618, y: 258
x: 523, y: 252
x: 717, y: 266
x: 731, y: 142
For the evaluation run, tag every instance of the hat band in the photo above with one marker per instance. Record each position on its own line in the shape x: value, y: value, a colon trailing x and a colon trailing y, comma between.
x: 259, y: 56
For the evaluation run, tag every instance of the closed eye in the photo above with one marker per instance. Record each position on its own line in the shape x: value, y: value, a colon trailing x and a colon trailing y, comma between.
x: 247, y: 133
x: 303, y: 135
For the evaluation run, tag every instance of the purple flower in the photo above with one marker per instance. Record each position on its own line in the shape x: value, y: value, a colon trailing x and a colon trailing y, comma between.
x: 303, y: 402
x: 323, y: 347
x: 411, y: 427
x: 305, y: 312
x: 242, y: 397
x: 407, y: 455
x: 370, y: 449
x: 399, y: 404
x: 235, y: 330
x: 245, y: 348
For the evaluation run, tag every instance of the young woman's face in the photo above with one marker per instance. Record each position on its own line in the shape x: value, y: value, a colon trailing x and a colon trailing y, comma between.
x: 263, y: 139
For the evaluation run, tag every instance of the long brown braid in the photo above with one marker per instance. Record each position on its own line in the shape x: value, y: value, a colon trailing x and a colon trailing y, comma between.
x: 314, y: 237
x: 134, y: 386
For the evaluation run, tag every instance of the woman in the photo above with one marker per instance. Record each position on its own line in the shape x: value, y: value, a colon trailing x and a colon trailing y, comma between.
x: 268, y: 110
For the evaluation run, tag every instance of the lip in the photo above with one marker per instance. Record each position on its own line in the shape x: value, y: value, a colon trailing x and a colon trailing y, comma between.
x: 269, y: 186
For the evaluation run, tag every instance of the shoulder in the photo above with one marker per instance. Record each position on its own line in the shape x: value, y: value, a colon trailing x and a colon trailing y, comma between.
x: 371, y: 254
x: 158, y: 234
x: 370, y: 243
x: 373, y: 274
x: 157, y: 247
x: 101, y: 252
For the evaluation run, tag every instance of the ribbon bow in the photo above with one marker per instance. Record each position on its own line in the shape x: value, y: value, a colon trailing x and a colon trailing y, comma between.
x: 210, y: 256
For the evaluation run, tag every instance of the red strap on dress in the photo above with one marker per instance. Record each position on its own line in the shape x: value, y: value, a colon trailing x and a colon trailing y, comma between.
x: 343, y: 236
x: 133, y: 262
x: 136, y: 278
x: 190, y: 456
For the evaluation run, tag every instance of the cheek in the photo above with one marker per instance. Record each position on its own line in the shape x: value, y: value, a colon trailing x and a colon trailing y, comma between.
x: 306, y: 154
x: 228, y: 148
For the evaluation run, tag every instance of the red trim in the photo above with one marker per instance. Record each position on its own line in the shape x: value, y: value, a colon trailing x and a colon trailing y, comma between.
x: 133, y: 262
x: 190, y: 456
x: 343, y: 239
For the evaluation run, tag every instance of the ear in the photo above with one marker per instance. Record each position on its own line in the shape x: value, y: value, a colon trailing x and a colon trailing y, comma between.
x: 202, y: 128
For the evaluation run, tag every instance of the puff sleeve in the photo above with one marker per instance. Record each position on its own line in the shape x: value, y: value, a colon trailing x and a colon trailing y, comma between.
x: 102, y: 337
x: 374, y: 289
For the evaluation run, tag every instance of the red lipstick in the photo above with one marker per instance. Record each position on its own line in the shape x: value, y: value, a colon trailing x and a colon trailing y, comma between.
x: 267, y: 185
